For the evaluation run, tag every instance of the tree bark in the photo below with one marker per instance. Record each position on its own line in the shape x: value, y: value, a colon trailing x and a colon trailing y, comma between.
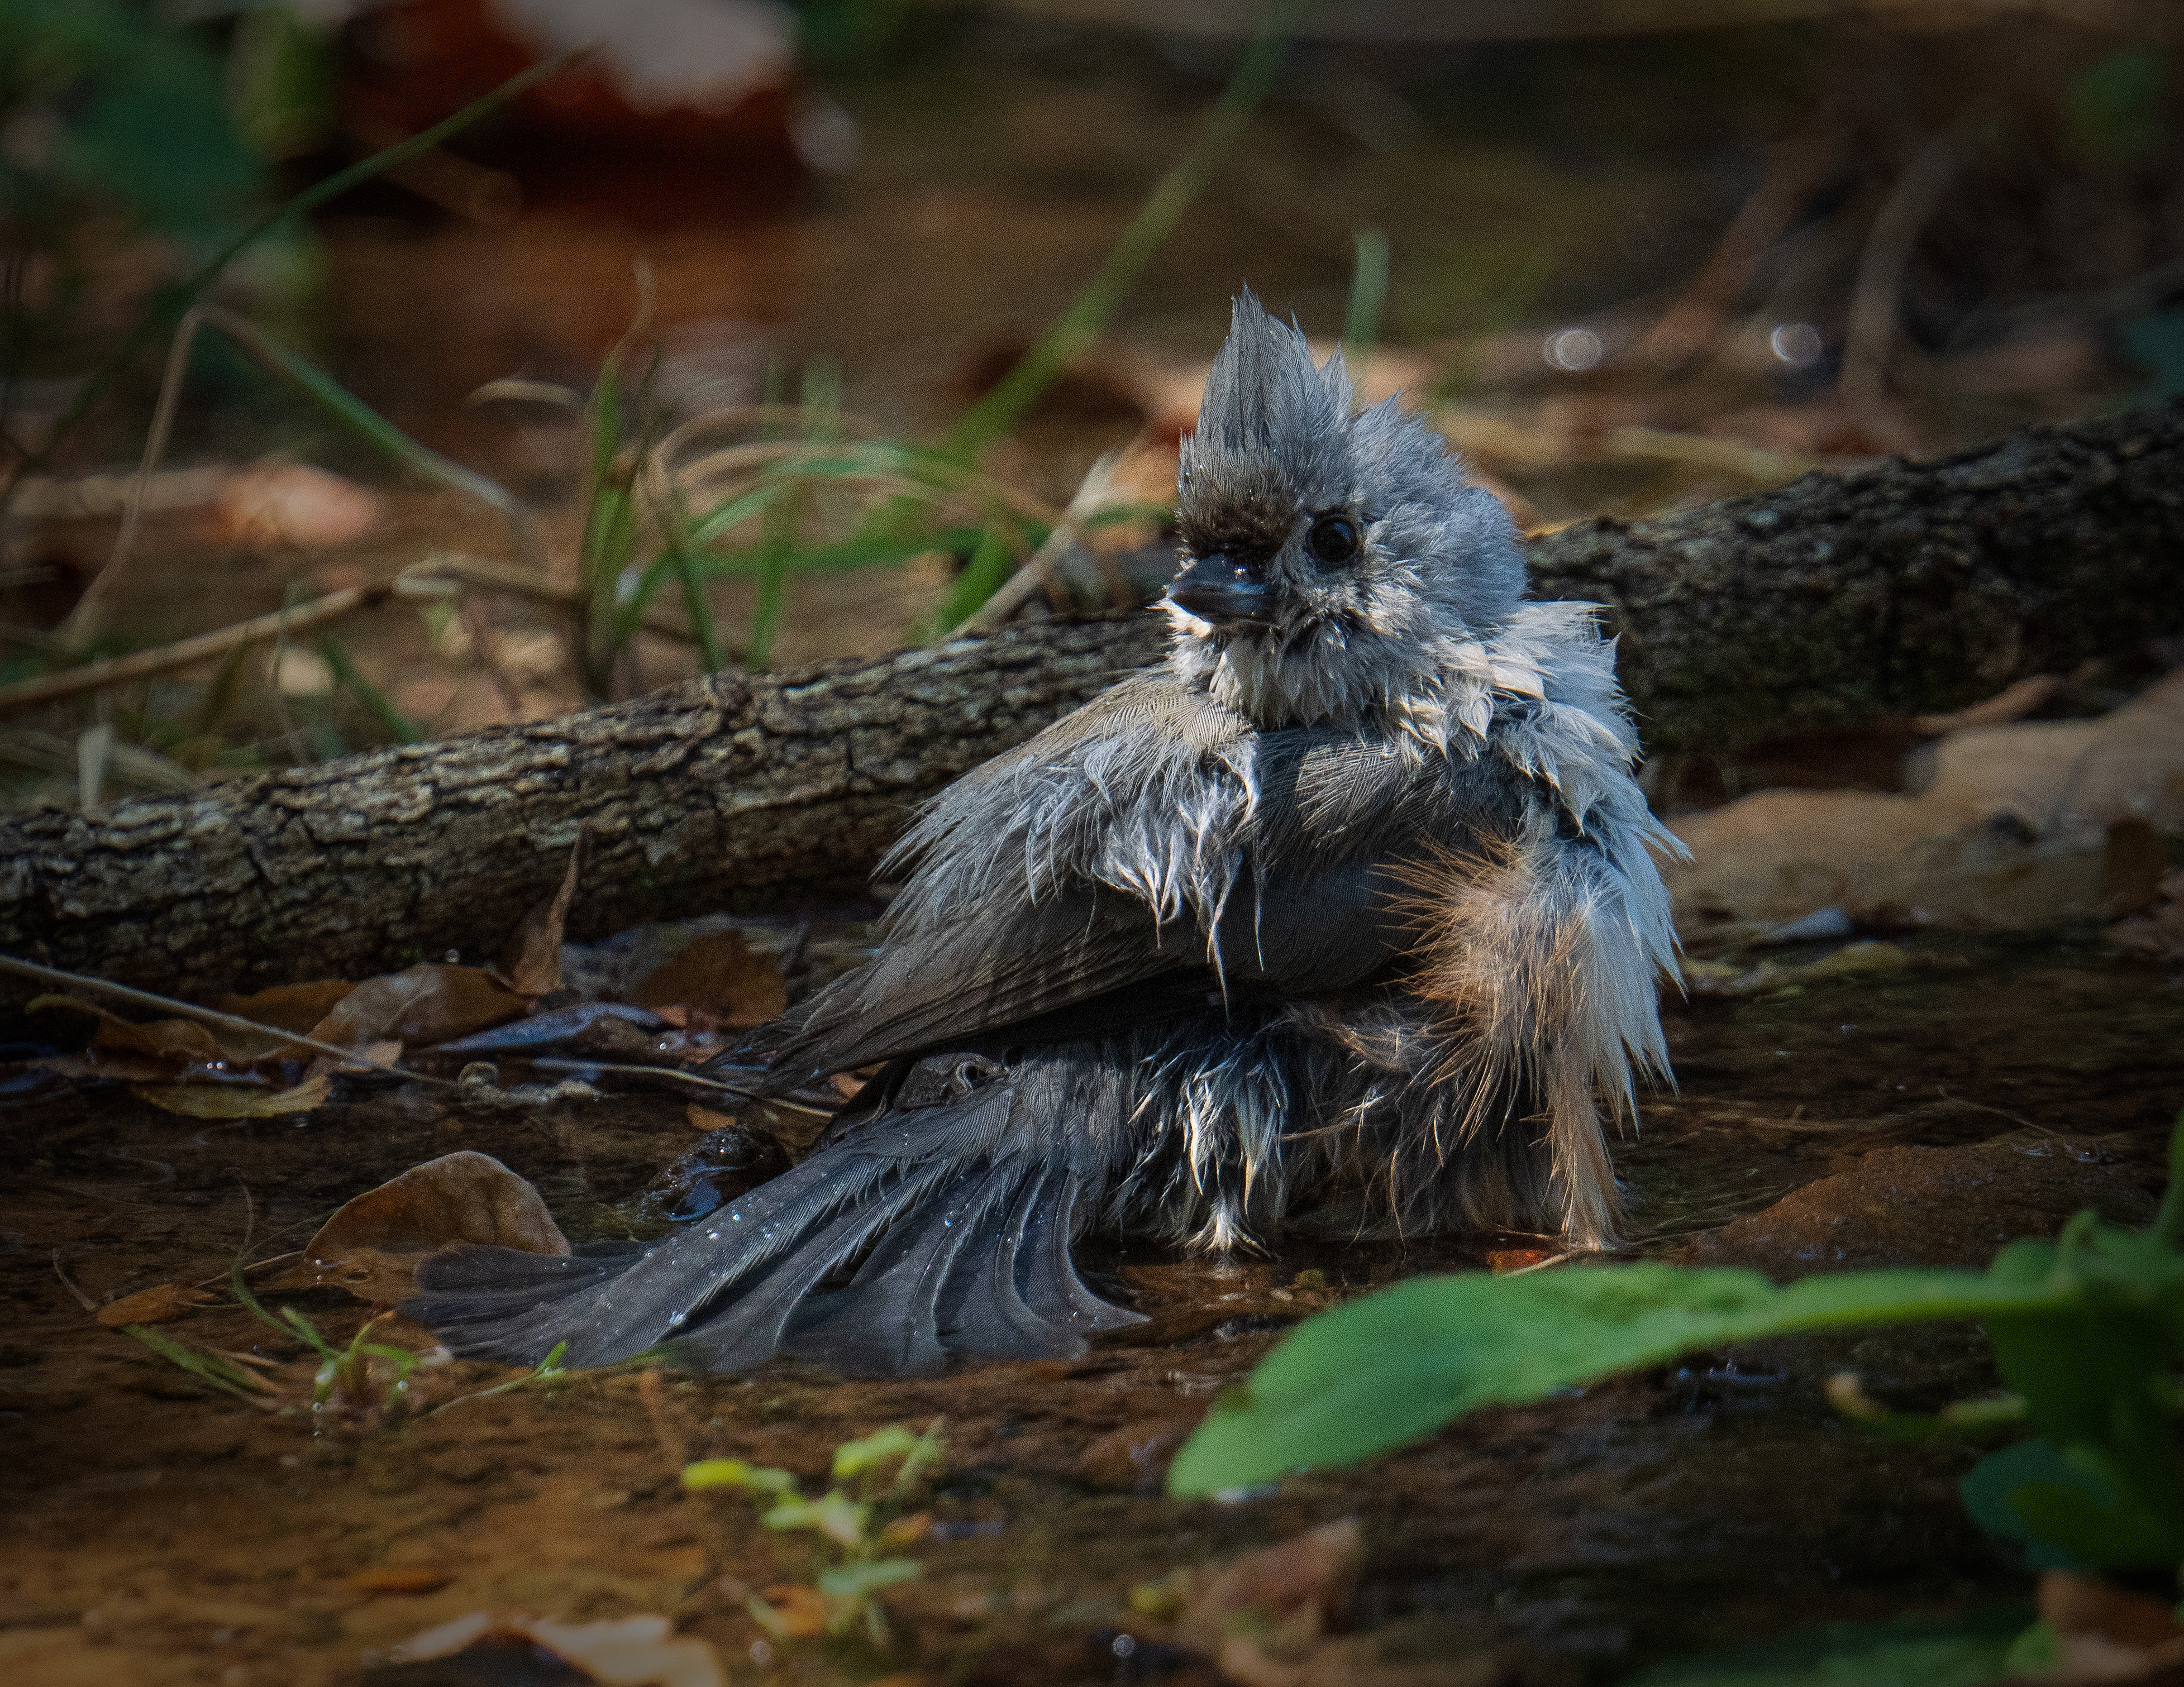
x: 1916, y: 587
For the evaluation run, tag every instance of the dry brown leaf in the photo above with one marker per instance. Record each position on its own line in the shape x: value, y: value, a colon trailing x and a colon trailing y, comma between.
x: 531, y: 965
x: 1265, y: 1618
x: 159, y: 1304
x: 403, y: 1579
x: 175, y: 1041
x: 235, y: 1100
x: 2108, y: 1635
x: 288, y: 1007
x: 295, y: 504
x: 371, y: 1246
x: 429, y: 1003
x: 705, y: 1119
x: 718, y: 973
x: 637, y: 1651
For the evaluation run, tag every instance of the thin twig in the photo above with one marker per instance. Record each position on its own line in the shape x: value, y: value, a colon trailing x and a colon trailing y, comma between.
x: 86, y: 619
x: 167, y: 658
x: 742, y: 1092
x: 230, y: 1021
x: 1876, y: 297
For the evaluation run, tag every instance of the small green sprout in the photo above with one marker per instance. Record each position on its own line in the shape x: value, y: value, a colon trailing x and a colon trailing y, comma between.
x: 844, y: 1519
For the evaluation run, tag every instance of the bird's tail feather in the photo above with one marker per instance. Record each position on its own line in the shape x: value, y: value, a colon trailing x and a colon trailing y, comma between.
x: 928, y: 1233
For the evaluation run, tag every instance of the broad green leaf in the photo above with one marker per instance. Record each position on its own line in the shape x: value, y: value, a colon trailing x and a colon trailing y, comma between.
x: 1398, y: 1364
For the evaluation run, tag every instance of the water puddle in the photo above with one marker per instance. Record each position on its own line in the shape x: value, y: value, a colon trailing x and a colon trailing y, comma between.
x: 160, y: 1532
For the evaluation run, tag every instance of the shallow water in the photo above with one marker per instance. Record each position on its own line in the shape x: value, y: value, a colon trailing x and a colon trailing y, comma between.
x: 160, y: 1532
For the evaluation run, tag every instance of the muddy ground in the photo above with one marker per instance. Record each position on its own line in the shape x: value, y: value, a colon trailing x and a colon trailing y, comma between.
x: 161, y: 1531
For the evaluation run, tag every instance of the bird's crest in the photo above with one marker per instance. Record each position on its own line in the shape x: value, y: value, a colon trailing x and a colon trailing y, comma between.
x: 1264, y: 393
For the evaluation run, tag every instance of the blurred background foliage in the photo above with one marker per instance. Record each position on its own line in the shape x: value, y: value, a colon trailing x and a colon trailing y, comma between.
x: 922, y: 294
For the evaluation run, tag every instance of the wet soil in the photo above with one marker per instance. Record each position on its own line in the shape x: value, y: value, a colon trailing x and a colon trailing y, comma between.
x: 161, y: 1531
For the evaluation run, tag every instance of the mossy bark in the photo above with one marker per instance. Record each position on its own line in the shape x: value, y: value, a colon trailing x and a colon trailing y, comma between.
x: 1828, y: 602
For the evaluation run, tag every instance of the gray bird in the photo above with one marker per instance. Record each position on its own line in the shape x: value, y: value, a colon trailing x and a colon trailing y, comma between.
x: 1342, y: 919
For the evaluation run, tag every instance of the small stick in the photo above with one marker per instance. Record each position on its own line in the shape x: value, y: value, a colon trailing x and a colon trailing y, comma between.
x: 147, y: 664
x: 231, y: 1022
x: 87, y: 619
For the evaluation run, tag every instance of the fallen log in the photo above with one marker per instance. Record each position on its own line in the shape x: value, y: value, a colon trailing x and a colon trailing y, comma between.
x: 1914, y: 588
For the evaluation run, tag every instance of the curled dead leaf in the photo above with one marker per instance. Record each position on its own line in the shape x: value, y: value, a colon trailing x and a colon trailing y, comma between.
x: 531, y: 965
x: 161, y: 1304
x: 235, y: 1100
x: 371, y: 1246
x: 288, y: 1007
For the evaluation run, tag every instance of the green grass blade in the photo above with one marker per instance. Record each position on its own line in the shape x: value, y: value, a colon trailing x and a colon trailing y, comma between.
x: 999, y: 410
x: 981, y: 576
x: 360, y: 419
x: 1368, y: 293
x: 375, y: 701
x: 1396, y: 1365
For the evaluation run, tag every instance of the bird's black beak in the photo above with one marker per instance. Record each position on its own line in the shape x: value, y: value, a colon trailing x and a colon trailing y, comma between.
x: 1224, y: 591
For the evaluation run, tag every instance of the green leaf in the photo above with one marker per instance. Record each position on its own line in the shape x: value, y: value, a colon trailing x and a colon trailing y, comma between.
x: 857, y: 1581
x: 1398, y: 1364
x: 735, y: 1473
x: 841, y: 1519
x: 855, y: 1458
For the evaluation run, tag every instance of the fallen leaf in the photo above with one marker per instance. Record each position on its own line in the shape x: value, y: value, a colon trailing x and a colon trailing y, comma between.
x: 800, y: 1612
x: 429, y: 1003
x: 235, y: 1100
x: 531, y: 965
x: 1265, y: 1618
x: 288, y: 1007
x: 705, y: 1119
x: 162, y: 1304
x: 405, y: 1579
x: 629, y: 1651
x: 371, y: 1246
x: 719, y: 973
x: 177, y: 1041
x: 294, y: 503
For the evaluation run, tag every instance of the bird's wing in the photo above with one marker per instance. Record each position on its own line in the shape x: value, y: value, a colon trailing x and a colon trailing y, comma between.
x: 1311, y: 905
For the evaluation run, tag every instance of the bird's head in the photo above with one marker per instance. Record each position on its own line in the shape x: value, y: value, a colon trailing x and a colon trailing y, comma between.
x: 1331, y: 561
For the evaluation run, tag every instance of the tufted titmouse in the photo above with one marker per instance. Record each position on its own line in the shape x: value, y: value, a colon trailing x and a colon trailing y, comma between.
x: 1343, y: 918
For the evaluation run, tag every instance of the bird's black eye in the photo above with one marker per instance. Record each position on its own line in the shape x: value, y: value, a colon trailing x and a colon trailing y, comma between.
x: 1333, y: 539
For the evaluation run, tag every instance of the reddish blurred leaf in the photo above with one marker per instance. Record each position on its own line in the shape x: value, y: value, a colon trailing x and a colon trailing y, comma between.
x: 718, y: 973
x: 371, y: 1246
x: 235, y: 1100
x: 422, y: 1005
x: 157, y: 1306
x: 531, y: 965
